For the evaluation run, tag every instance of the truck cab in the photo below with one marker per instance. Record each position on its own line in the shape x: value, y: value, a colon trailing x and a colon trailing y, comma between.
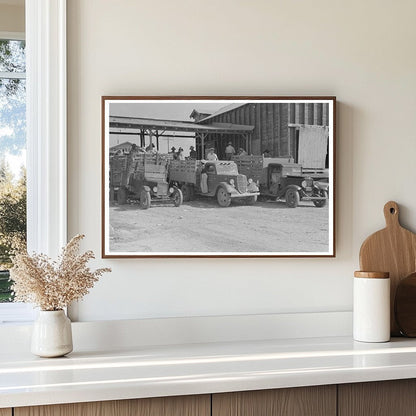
x: 224, y: 182
x: 287, y: 181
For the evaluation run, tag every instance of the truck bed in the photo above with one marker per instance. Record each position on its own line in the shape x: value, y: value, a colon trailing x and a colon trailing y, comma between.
x: 185, y: 171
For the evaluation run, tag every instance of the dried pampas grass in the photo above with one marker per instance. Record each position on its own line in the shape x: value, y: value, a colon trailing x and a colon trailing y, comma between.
x: 53, y: 285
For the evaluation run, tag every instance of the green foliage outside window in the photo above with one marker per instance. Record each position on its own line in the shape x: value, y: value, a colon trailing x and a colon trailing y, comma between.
x: 12, y: 147
x: 12, y: 224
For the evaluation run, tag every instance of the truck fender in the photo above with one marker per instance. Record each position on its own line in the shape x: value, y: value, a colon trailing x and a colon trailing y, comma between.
x: 146, y: 188
x: 230, y: 189
x: 323, y: 186
x: 293, y: 186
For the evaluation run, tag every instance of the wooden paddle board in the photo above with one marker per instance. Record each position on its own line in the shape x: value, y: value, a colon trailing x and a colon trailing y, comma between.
x: 393, y: 250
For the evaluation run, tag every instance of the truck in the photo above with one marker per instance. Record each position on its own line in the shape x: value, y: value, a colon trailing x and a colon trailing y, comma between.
x: 215, y: 179
x: 143, y: 178
x: 282, y: 179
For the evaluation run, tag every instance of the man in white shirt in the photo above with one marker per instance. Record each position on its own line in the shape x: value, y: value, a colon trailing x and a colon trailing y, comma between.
x: 229, y: 151
x: 181, y: 156
x: 211, y: 155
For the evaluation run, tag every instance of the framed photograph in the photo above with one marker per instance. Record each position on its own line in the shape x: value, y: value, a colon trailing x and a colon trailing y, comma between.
x: 218, y: 177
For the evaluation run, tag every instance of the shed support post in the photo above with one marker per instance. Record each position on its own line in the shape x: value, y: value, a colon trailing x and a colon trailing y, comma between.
x: 150, y: 137
x: 202, y: 146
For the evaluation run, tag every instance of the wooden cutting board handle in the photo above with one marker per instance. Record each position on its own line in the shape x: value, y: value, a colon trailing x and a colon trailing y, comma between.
x: 391, y: 214
x: 393, y: 250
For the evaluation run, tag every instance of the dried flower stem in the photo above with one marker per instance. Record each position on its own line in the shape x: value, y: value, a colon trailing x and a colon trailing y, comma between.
x: 53, y: 285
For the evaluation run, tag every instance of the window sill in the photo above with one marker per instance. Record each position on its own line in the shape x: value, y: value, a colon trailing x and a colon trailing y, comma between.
x: 16, y: 313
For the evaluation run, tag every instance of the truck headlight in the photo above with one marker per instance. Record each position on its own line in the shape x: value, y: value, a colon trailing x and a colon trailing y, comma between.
x: 155, y: 189
x: 171, y: 190
x: 232, y: 182
x: 307, y: 183
x: 250, y: 180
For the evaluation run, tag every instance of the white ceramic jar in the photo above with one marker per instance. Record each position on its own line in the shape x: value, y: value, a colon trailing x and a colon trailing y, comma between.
x: 371, y: 310
x: 52, y: 334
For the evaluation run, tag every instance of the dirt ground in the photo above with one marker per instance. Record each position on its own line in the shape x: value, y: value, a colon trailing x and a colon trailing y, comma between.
x: 203, y: 226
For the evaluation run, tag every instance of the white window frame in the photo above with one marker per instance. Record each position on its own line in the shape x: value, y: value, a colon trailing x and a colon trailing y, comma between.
x: 46, y: 125
x: 46, y: 133
x: 15, y: 312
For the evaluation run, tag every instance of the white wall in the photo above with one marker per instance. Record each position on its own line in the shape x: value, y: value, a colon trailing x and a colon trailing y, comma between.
x: 361, y: 51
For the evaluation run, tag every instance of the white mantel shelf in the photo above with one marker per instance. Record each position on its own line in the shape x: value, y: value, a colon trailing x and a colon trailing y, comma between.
x: 151, y: 371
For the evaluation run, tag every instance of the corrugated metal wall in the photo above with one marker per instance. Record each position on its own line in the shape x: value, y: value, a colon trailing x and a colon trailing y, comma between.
x: 271, y: 125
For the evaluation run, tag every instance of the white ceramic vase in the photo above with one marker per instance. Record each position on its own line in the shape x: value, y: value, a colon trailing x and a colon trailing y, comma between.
x: 52, y: 334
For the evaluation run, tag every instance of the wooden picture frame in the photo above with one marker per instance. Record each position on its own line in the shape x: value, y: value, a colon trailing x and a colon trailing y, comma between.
x: 270, y: 193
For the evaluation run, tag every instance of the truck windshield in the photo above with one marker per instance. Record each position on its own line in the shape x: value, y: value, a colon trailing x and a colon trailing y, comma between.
x: 227, y: 168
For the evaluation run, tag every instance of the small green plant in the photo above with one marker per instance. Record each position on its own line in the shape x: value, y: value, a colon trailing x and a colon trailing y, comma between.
x: 6, y: 294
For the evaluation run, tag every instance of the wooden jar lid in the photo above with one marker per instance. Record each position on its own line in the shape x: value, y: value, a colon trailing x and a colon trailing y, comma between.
x: 372, y: 275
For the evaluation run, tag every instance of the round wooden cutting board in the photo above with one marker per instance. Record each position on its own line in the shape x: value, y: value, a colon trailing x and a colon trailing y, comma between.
x: 393, y: 250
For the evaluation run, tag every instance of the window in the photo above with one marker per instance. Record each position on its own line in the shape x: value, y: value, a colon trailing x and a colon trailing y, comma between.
x: 46, y: 133
x: 12, y: 166
x: 12, y: 155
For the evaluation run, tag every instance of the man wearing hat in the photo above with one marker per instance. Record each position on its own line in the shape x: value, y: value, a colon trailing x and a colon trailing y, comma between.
x: 229, y: 151
x: 151, y: 148
x: 181, y: 156
x: 192, y: 153
x: 211, y: 155
x: 173, y: 152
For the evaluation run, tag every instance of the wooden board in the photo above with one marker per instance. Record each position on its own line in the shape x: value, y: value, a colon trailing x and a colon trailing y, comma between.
x: 299, y: 401
x: 6, y: 412
x: 385, y: 398
x: 251, y: 166
x: 183, y: 171
x: 313, y: 142
x: 393, y: 250
x: 405, y: 306
x: 118, y: 170
x: 163, y: 406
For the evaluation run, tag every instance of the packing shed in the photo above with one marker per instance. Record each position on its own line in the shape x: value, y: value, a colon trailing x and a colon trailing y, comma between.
x: 296, y: 130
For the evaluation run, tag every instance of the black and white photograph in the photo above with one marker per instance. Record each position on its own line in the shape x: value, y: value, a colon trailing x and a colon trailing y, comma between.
x: 218, y: 177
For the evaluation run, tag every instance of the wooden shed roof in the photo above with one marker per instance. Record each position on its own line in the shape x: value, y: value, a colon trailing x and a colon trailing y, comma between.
x: 222, y: 110
x: 121, y: 145
x: 173, y: 125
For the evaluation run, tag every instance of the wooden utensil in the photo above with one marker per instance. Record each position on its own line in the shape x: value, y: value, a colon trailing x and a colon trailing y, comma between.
x: 405, y: 306
x: 393, y: 250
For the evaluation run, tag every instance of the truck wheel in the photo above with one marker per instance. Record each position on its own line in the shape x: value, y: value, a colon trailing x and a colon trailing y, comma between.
x: 292, y: 198
x: 145, y: 199
x: 251, y: 200
x: 223, y: 198
x: 177, y: 197
x: 187, y: 192
x: 319, y: 203
x: 122, y: 196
